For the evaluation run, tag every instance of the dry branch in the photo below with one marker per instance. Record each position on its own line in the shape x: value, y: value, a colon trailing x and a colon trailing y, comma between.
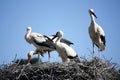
x: 94, y: 69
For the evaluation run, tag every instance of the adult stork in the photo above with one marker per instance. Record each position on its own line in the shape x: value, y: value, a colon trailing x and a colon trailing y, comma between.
x: 41, y: 42
x: 64, y: 50
x: 96, y: 33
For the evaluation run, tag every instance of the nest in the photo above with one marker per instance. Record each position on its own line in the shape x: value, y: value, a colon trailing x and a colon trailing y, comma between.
x: 95, y: 69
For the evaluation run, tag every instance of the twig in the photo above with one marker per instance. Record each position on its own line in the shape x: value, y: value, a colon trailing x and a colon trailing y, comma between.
x: 15, y: 58
x: 21, y: 72
x: 26, y: 76
x: 16, y: 65
x: 90, y: 52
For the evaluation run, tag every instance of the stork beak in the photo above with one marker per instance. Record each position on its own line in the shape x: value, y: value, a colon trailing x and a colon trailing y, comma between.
x: 48, y: 38
x: 94, y: 14
x: 54, y: 36
x: 28, y: 29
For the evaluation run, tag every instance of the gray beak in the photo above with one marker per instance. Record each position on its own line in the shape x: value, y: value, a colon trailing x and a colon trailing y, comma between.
x: 94, y: 14
x: 54, y: 36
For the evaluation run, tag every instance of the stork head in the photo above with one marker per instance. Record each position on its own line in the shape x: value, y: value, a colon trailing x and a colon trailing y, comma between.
x: 91, y: 11
x: 29, y: 28
x: 58, y: 34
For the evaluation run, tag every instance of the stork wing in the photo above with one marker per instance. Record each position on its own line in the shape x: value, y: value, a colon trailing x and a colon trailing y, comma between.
x: 102, y: 34
x: 39, y: 38
x: 66, y: 41
x: 44, y: 41
x: 103, y: 39
x: 100, y: 30
x: 62, y: 40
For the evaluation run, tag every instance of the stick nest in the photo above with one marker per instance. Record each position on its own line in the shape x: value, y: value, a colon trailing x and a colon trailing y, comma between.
x: 94, y: 69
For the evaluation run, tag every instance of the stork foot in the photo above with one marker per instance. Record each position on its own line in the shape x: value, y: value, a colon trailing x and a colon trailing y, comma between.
x: 28, y: 64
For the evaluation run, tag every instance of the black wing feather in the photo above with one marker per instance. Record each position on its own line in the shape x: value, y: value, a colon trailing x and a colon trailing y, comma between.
x: 66, y: 41
x: 103, y: 39
x: 48, y: 43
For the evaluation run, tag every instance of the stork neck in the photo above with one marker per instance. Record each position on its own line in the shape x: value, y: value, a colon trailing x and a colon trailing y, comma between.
x: 28, y: 34
x: 92, y: 18
x: 58, y: 39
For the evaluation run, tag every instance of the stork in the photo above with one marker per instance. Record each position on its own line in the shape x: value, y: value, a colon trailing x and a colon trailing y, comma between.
x: 63, y: 40
x: 41, y: 42
x: 96, y: 33
x: 64, y: 50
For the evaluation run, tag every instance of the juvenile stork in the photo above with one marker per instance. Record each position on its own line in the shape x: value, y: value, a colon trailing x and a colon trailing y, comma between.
x: 41, y: 42
x: 64, y: 50
x: 96, y: 33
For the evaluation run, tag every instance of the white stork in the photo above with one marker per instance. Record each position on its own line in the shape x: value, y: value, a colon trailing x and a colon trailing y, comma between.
x: 41, y: 42
x: 64, y: 50
x: 96, y: 33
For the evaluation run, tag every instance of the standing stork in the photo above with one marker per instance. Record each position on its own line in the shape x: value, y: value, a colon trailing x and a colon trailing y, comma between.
x: 96, y: 33
x: 64, y: 50
x: 41, y: 42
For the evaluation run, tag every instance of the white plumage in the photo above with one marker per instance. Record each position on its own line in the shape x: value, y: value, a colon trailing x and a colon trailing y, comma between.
x: 64, y: 50
x: 96, y: 33
x: 41, y: 42
x: 63, y: 40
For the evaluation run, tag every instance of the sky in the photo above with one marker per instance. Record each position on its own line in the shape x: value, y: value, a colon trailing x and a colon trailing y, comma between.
x: 49, y: 16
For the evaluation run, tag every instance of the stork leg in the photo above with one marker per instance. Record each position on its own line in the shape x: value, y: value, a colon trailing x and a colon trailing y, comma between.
x: 29, y: 58
x: 39, y: 57
x: 99, y: 54
x: 48, y: 56
x: 93, y: 49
